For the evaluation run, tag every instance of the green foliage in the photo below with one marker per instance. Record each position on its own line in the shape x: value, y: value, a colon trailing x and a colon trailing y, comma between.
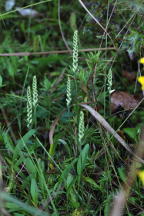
x: 67, y: 164
x: 81, y: 164
x: 1, y: 81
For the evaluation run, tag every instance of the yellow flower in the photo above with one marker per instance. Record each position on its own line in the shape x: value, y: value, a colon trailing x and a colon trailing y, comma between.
x: 141, y: 175
x: 141, y: 81
x: 141, y: 60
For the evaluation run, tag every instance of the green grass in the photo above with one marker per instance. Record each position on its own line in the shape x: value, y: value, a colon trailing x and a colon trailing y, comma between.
x: 64, y: 162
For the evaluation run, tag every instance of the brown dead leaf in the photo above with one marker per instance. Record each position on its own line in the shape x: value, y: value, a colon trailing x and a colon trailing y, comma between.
x: 124, y: 100
x: 130, y: 76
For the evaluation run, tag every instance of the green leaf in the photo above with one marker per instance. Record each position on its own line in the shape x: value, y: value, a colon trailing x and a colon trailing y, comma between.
x: 73, y: 21
x: 73, y: 199
x: 26, y: 137
x: 17, y: 214
x: 34, y: 191
x: 82, y: 160
x: 121, y: 172
x: 21, y: 144
x: 7, y: 141
x: 1, y: 80
x: 66, y: 171
x: 131, y: 132
x: 91, y: 182
x: 10, y: 200
x: 30, y: 166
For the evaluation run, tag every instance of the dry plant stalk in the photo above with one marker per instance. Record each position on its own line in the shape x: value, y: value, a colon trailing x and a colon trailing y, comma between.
x: 51, y: 141
x: 56, y: 52
x: 121, y: 198
x: 3, y: 211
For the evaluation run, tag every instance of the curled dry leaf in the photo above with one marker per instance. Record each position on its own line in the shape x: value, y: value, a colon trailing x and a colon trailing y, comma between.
x: 124, y: 100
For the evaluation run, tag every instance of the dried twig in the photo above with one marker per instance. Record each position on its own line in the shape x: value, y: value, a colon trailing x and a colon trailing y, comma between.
x: 3, y: 210
x: 121, y: 198
x: 56, y: 52
x: 60, y: 26
x: 52, y: 130
x: 51, y: 142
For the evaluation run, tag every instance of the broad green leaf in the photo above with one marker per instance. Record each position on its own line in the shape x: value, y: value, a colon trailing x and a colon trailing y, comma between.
x: 66, y: 171
x: 34, y: 191
x: 73, y: 199
x: 30, y: 166
x: 91, y: 182
x: 1, y: 81
x: 24, y: 139
x: 12, y: 201
x: 82, y: 159
x: 131, y: 132
x: 121, y: 173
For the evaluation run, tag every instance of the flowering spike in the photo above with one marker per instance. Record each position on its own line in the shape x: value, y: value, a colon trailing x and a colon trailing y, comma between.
x: 81, y: 127
x: 29, y: 107
x: 68, y: 91
x: 75, y: 52
x: 35, y: 92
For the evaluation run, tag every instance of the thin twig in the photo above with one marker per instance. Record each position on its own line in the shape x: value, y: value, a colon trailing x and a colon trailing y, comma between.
x: 3, y: 210
x: 56, y: 52
x: 121, y: 198
x: 96, y: 20
x: 60, y: 26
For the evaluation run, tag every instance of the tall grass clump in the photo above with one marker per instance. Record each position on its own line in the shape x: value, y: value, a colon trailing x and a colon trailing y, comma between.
x: 66, y: 158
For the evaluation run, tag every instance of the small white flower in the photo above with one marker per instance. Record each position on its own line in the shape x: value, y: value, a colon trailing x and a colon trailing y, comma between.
x: 27, y: 12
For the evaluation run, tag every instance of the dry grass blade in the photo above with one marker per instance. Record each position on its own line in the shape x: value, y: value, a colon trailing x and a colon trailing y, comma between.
x: 51, y: 142
x: 121, y: 198
x: 56, y: 52
x: 118, y: 204
x: 3, y: 211
x: 52, y: 130
x: 106, y: 125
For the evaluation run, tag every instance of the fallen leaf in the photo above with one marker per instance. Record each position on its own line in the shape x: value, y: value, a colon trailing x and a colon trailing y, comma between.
x: 122, y: 99
x: 131, y: 76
